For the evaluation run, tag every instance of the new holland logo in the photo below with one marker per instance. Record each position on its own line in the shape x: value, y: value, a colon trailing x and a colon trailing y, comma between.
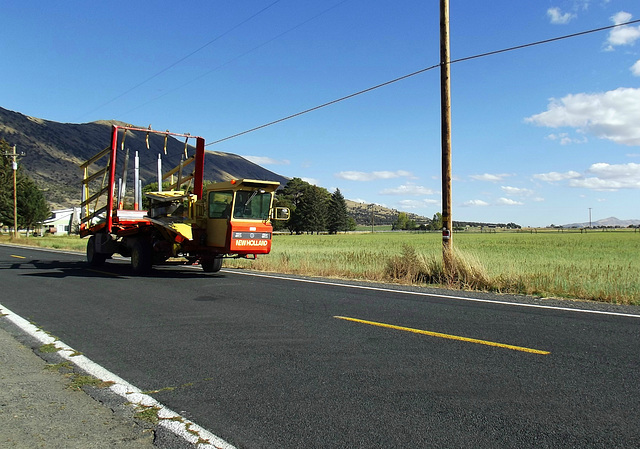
x: 252, y: 242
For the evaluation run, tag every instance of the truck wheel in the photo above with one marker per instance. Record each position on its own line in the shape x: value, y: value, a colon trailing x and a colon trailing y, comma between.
x: 211, y: 265
x: 94, y: 258
x: 141, y: 257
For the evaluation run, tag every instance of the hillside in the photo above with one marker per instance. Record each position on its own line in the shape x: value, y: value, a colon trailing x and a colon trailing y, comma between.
x: 54, y: 150
x: 611, y: 222
x: 364, y: 214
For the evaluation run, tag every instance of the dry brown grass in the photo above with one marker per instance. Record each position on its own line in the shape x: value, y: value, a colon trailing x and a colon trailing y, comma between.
x: 463, y: 271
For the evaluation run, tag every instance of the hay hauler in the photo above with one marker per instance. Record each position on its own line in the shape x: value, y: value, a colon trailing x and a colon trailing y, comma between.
x: 198, y: 223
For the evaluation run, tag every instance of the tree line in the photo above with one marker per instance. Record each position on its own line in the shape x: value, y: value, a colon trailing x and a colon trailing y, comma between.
x: 31, y: 205
x: 313, y: 209
x: 404, y: 223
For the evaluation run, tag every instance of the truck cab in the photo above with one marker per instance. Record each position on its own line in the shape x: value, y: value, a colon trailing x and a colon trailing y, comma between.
x: 238, y: 216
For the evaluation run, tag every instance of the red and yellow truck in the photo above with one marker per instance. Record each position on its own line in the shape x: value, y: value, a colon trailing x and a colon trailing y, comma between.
x: 187, y: 220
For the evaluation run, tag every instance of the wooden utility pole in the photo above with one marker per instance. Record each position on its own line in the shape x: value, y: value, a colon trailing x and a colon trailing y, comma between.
x: 15, y: 194
x: 445, y: 105
x: 14, y: 165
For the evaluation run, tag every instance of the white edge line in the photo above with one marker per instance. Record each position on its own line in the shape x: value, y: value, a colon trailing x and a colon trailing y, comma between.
x: 437, y: 295
x: 181, y: 427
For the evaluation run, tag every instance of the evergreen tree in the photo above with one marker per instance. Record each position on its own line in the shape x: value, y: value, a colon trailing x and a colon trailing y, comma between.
x: 351, y: 224
x: 6, y: 184
x: 31, y: 205
x: 337, y: 213
x: 308, y: 206
x: 312, y: 209
x: 291, y: 196
x: 293, y: 191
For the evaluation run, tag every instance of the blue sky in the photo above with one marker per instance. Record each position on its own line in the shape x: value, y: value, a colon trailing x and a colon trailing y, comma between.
x: 540, y: 135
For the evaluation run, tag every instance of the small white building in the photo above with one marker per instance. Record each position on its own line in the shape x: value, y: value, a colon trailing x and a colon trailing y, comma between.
x: 61, y: 222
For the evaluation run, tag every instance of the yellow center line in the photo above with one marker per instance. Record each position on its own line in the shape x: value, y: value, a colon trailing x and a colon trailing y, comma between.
x: 450, y: 337
x: 18, y: 257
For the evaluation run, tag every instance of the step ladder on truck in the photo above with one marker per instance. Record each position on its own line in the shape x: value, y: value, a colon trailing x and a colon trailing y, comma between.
x: 196, y: 223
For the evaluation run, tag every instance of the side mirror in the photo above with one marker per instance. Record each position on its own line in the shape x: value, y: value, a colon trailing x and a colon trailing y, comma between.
x: 280, y: 213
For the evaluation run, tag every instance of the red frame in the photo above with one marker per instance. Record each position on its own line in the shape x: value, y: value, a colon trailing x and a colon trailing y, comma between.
x: 198, y: 174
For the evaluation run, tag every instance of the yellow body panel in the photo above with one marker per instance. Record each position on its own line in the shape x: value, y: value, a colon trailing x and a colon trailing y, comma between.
x: 217, y: 231
x: 183, y: 229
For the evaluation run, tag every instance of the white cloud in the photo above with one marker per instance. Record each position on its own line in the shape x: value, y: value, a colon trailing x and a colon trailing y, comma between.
x: 557, y: 17
x: 615, y: 171
x: 635, y: 68
x: 624, y: 35
x: 516, y: 191
x: 409, y: 189
x: 599, y: 176
x: 373, y: 176
x: 621, y: 17
x: 565, y: 139
x: 265, y: 160
x: 584, y: 4
x: 509, y: 202
x: 475, y: 203
x: 612, y: 115
x: 610, y: 177
x: 594, y: 184
x: 555, y: 176
x: 490, y: 177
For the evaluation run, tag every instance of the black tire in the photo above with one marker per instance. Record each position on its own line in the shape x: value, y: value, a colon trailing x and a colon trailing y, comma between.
x: 211, y: 265
x: 94, y: 258
x: 141, y: 257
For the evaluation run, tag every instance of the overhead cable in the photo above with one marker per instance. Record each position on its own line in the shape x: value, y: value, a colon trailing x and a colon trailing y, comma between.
x: 170, y: 66
x: 468, y: 58
x: 325, y: 104
x: 238, y: 56
x: 546, y: 41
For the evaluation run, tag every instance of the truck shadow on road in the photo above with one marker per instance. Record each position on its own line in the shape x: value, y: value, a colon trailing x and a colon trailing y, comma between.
x: 63, y: 269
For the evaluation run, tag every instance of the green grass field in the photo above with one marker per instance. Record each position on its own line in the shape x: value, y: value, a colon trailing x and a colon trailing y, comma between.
x: 600, y: 266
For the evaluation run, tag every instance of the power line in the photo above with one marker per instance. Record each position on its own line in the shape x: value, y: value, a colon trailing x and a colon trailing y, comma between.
x: 546, y: 41
x: 326, y: 104
x: 468, y: 58
x: 170, y: 66
x: 239, y: 56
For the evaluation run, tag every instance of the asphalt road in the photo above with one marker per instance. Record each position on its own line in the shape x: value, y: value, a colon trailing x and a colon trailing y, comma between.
x: 264, y: 361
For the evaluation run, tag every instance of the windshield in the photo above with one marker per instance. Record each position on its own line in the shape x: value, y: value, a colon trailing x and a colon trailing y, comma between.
x: 252, y: 204
x: 220, y: 204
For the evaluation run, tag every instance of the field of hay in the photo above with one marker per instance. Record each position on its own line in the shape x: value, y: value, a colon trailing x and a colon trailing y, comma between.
x: 601, y: 266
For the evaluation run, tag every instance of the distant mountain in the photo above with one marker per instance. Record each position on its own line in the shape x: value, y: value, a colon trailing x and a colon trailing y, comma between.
x: 364, y: 214
x: 54, y: 150
x: 605, y: 222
